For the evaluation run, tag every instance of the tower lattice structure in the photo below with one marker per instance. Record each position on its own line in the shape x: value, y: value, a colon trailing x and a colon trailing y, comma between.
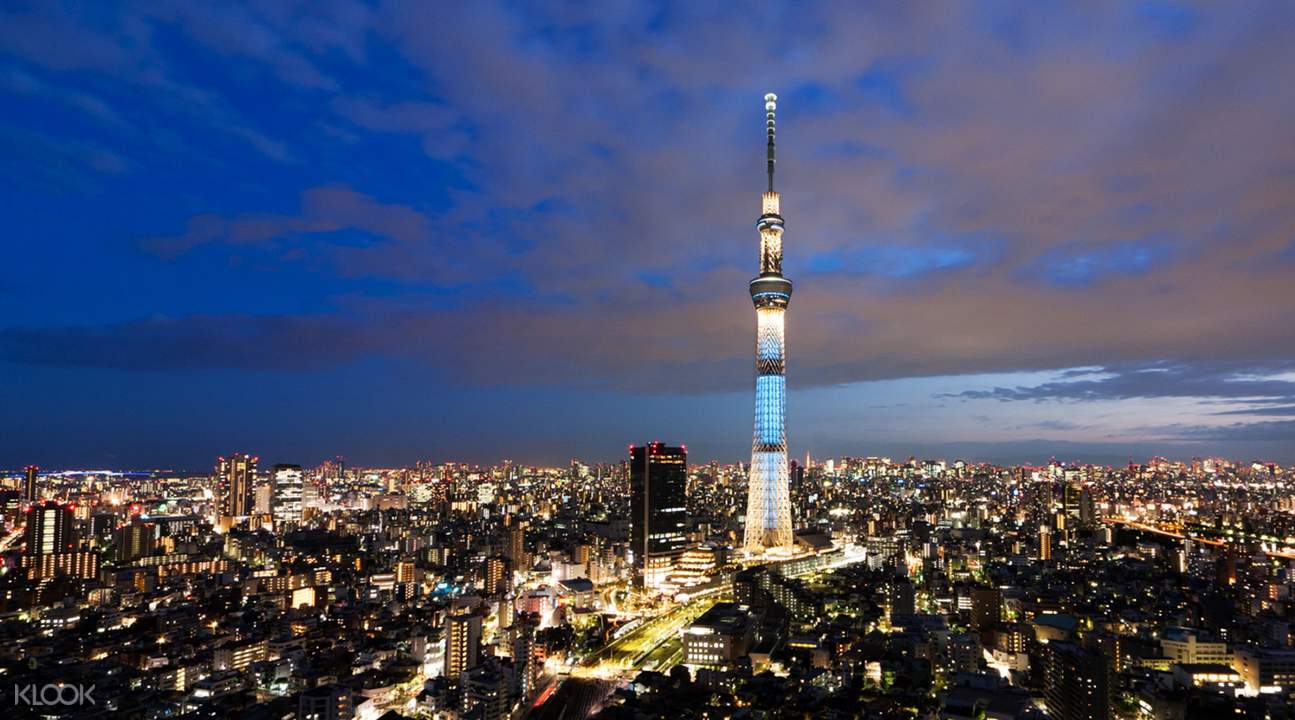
x: 768, y: 502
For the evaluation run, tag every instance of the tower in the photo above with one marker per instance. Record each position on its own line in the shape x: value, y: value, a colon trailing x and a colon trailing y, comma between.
x: 658, y: 510
x: 768, y: 501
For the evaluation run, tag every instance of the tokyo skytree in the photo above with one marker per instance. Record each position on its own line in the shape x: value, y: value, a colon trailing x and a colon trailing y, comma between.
x: 768, y: 501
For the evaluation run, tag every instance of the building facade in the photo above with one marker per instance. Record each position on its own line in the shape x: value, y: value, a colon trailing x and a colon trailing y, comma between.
x: 237, y: 475
x: 462, y: 644
x: 288, y: 485
x: 29, y: 483
x: 658, y: 510
x: 50, y: 529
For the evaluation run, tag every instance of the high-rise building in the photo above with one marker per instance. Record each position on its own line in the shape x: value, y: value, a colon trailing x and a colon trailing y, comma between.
x: 658, y: 510
x: 264, y: 499
x: 1087, y: 509
x: 526, y: 661
x: 288, y: 486
x: 768, y: 502
x: 405, y: 571
x: 1076, y: 682
x: 497, y: 574
x: 136, y: 540
x: 1071, y: 496
x: 462, y: 644
x: 1045, y: 543
x: 29, y: 485
x: 902, y: 597
x: 516, y: 548
x: 50, y: 529
x: 237, y: 474
x: 986, y: 608
x: 309, y: 500
x: 986, y: 613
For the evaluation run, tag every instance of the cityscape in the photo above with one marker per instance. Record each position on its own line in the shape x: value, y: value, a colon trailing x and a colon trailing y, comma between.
x: 1023, y: 451
x: 911, y: 588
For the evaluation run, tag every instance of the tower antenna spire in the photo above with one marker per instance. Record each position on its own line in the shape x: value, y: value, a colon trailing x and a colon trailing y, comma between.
x: 770, y: 105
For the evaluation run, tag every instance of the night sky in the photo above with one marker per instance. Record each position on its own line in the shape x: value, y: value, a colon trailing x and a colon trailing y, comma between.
x: 476, y: 231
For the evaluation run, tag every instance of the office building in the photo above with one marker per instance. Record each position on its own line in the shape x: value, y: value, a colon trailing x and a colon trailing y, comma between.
x: 658, y: 510
x: 718, y: 638
x: 516, y: 544
x: 288, y: 484
x: 1269, y: 671
x: 135, y: 540
x: 237, y: 476
x: 29, y: 483
x: 50, y: 529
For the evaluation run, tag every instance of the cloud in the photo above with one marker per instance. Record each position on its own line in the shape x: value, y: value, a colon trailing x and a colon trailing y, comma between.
x: 1154, y: 380
x: 1085, y: 266
x: 1272, y: 431
x: 1263, y: 409
x: 200, y: 342
x: 323, y: 210
x: 935, y: 160
x: 439, y: 126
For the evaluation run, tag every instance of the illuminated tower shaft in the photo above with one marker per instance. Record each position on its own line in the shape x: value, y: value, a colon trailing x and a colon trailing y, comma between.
x: 768, y: 501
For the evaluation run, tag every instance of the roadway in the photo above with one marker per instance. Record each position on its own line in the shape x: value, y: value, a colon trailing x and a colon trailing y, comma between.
x: 575, y: 699
x: 656, y: 644
x: 1285, y: 553
x: 1159, y: 531
x: 630, y: 651
x: 14, y: 536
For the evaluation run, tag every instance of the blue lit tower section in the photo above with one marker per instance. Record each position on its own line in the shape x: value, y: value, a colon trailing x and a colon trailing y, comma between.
x: 768, y: 501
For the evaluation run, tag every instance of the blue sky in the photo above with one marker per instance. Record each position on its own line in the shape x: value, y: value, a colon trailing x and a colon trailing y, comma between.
x: 395, y: 231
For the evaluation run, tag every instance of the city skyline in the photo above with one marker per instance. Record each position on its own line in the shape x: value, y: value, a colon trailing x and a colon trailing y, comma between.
x: 389, y: 360
x: 1022, y: 233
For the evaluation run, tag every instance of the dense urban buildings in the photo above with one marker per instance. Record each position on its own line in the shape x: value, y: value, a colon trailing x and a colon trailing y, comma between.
x: 768, y: 506
x: 915, y: 589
